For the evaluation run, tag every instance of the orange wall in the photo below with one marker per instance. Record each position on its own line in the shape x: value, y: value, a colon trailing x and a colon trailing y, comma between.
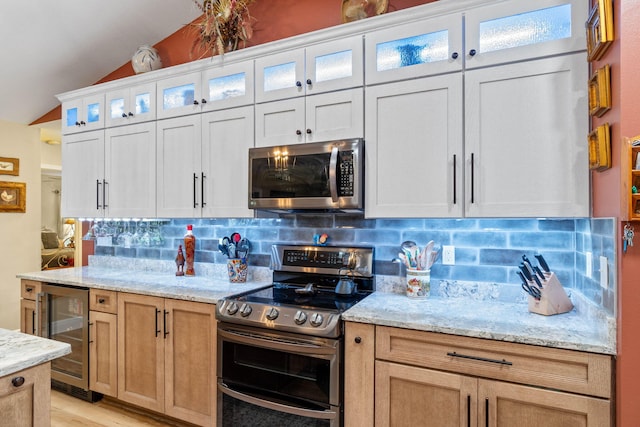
x: 288, y: 18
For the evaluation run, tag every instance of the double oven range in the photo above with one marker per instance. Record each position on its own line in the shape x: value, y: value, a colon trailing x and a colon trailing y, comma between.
x: 280, y: 348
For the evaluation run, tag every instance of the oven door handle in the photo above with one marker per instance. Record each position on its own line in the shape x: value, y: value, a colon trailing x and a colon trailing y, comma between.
x: 310, y: 413
x: 274, y: 343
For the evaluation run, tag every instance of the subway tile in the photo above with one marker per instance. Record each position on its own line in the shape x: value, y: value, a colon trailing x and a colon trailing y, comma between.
x: 405, y: 224
x: 315, y: 221
x: 557, y: 225
x: 423, y: 237
x: 488, y: 239
x: 507, y: 224
x: 450, y: 224
x: 541, y: 241
x: 378, y: 236
x: 506, y: 257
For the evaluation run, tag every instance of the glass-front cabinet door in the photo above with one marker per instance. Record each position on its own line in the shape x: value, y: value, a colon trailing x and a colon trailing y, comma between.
x: 423, y: 48
x: 179, y: 96
x: 83, y: 114
x: 228, y: 86
x: 280, y: 76
x: 514, y: 31
x: 131, y: 105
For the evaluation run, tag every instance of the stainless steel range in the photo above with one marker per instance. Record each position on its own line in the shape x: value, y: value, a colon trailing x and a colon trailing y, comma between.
x: 280, y: 348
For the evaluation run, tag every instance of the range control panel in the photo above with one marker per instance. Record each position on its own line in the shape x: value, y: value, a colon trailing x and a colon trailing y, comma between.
x: 322, y: 259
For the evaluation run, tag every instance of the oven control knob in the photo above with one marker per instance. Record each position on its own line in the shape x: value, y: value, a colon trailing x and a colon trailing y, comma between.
x: 245, y: 310
x: 272, y: 313
x: 300, y: 317
x: 316, y: 319
x: 232, y: 308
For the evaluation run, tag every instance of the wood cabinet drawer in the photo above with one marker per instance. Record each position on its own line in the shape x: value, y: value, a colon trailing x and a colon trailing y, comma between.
x: 567, y: 370
x: 105, y: 301
x: 29, y: 289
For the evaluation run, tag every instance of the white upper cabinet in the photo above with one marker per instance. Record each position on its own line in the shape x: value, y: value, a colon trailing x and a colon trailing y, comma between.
x: 228, y: 86
x: 83, y: 114
x: 318, y: 68
x: 428, y: 47
x: 525, y: 127
x: 131, y: 105
x: 518, y: 30
x: 179, y: 96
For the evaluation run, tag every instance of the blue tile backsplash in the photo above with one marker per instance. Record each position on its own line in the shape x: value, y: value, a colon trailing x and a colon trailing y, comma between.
x: 487, y: 250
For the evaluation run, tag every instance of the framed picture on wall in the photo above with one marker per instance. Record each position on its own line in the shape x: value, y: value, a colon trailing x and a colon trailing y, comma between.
x: 600, y: 91
x: 9, y: 166
x: 599, y: 29
x: 600, y: 148
x: 13, y: 196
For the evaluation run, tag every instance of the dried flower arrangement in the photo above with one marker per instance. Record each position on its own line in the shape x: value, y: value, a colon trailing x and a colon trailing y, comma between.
x: 223, y: 26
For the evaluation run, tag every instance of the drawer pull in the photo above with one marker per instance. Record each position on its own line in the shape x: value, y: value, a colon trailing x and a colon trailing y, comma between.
x: 29, y: 290
x: 101, y: 300
x: 482, y: 359
x: 357, y: 340
x: 17, y: 381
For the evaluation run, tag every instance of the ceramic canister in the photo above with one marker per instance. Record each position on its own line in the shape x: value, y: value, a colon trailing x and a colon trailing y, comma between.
x: 418, y: 283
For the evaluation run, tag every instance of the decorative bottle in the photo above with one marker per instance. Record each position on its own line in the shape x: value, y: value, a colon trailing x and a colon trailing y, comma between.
x: 190, y: 250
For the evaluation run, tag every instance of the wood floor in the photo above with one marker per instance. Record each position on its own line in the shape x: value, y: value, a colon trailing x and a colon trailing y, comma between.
x: 69, y: 411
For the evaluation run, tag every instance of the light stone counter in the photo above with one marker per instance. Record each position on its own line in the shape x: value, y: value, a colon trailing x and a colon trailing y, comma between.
x: 20, y: 351
x: 166, y: 284
x: 581, y: 329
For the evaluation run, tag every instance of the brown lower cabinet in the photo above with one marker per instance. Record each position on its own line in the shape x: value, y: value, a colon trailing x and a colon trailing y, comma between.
x: 424, y: 378
x: 25, y: 398
x: 166, y: 356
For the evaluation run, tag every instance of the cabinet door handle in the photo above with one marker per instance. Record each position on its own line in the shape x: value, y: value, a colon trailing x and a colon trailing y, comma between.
x: 104, y: 194
x: 454, y: 179
x: 100, y: 300
x: 17, y: 381
x: 195, y: 180
x: 204, y: 101
x: 195, y: 102
x: 33, y: 322
x: 472, y: 178
x: 309, y: 131
x: 486, y: 412
x: 166, y: 330
x: 98, y: 194
x: 481, y: 359
x: 124, y: 116
x: 468, y: 410
x: 202, y: 189
x: 130, y: 114
x: 90, y: 327
x: 157, y: 330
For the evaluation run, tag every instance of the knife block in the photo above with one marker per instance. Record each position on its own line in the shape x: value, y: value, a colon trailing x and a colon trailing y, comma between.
x: 553, y: 298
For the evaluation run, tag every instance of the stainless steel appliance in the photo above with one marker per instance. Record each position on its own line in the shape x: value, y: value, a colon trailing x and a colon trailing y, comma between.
x: 62, y: 314
x: 320, y: 176
x: 280, y: 348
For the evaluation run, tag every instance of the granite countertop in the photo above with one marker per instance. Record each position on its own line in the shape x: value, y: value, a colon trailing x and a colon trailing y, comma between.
x: 206, y: 289
x: 20, y: 351
x: 498, y: 320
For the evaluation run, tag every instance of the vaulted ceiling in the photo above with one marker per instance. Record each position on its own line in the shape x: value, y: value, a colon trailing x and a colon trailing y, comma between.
x: 49, y: 47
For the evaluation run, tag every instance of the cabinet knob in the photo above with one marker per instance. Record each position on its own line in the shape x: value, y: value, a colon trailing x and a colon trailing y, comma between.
x: 472, y: 52
x: 299, y: 84
x: 130, y: 114
x: 195, y: 102
x: 77, y: 123
x: 100, y: 300
x: 17, y: 381
x: 309, y: 131
x: 358, y: 340
x: 454, y: 55
x: 309, y: 82
x: 124, y: 115
x: 29, y: 289
x: 298, y: 132
x: 204, y: 101
x: 82, y: 123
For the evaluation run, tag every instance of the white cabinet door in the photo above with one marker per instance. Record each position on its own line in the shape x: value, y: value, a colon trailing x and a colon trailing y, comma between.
x: 131, y: 105
x: 83, y: 114
x: 419, y: 49
x: 83, y: 175
x: 227, y: 136
x: 525, y: 148
x: 413, y: 153
x: 334, y: 65
x: 516, y: 30
x: 280, y: 76
x: 228, y: 86
x: 179, y: 167
x: 280, y: 122
x: 130, y: 171
x: 179, y: 96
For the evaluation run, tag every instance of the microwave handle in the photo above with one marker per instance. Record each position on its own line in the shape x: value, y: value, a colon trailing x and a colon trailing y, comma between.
x: 333, y: 174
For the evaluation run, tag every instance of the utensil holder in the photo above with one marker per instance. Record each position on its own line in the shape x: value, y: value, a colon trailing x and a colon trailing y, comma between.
x: 418, y: 283
x: 553, y: 298
x: 237, y: 269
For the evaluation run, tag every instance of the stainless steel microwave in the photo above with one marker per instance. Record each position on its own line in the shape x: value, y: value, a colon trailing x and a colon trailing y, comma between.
x: 318, y: 176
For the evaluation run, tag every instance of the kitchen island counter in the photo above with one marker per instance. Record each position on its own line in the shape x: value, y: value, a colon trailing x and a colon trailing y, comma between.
x: 582, y: 328
x: 20, y: 351
x: 154, y: 283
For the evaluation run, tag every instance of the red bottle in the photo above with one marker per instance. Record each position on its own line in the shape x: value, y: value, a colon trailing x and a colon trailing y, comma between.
x: 190, y: 250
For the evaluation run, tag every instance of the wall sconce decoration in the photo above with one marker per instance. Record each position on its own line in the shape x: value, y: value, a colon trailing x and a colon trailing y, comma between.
x: 9, y: 166
x: 13, y: 196
x: 600, y: 148
x: 599, y: 29
x: 600, y: 91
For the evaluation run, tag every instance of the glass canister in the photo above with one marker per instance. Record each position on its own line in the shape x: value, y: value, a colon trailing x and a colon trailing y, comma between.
x: 418, y: 283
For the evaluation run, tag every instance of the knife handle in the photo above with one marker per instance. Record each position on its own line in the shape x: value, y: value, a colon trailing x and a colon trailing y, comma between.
x: 525, y: 272
x: 543, y: 263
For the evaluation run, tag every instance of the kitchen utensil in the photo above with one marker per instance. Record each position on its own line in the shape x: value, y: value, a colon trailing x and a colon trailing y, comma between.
x: 525, y: 272
x: 543, y: 263
x: 346, y: 286
x: 411, y: 251
x: 531, y: 290
x: 540, y: 273
x: 243, y: 248
x: 222, y: 247
x: 235, y: 238
x: 424, y: 259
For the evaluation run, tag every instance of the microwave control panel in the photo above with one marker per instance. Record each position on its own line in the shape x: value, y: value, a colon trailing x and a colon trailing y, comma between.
x: 345, y: 174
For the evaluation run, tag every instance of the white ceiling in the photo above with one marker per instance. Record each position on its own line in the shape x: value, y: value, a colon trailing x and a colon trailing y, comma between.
x: 53, y: 46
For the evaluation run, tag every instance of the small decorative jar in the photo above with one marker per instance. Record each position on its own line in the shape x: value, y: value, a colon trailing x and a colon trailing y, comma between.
x: 418, y: 283
x: 237, y: 268
x: 146, y: 59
